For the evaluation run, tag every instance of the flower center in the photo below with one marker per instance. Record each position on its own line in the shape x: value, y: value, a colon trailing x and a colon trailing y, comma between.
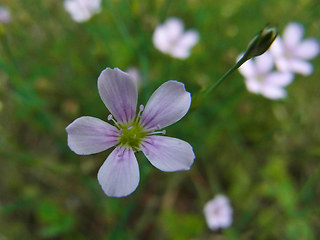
x: 132, y: 135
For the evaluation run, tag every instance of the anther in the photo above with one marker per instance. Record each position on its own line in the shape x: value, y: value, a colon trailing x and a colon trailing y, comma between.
x: 141, y: 108
x: 110, y: 118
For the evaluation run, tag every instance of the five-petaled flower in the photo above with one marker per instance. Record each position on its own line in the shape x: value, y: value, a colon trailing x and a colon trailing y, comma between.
x: 82, y: 10
x: 171, y: 39
x: 119, y: 174
x: 218, y: 212
x: 291, y: 53
x: 260, y: 78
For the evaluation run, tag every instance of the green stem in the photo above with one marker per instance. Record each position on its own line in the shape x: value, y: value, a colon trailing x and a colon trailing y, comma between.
x: 199, y: 97
x: 224, y: 76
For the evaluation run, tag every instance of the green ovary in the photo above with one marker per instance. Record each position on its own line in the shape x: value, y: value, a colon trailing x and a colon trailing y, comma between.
x: 132, y: 135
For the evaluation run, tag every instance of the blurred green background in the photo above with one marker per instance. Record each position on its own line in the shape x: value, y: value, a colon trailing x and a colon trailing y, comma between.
x: 264, y: 155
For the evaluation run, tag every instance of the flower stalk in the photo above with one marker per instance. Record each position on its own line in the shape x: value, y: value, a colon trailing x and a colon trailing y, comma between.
x: 257, y: 46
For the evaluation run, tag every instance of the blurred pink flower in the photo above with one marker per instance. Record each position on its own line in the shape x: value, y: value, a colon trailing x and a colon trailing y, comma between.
x: 292, y: 52
x: 218, y: 212
x: 260, y: 78
x: 135, y: 75
x: 171, y: 39
x: 82, y: 10
x: 5, y: 16
x: 119, y: 174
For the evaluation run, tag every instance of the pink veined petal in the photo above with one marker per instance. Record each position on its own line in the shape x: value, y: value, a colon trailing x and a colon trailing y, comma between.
x: 300, y: 66
x: 253, y: 85
x: 119, y: 174
x: 264, y: 63
x: 167, y: 105
x: 308, y: 49
x: 292, y: 35
x: 273, y: 92
x: 88, y: 135
x: 248, y: 69
x: 279, y: 78
x: 119, y: 93
x: 168, y: 154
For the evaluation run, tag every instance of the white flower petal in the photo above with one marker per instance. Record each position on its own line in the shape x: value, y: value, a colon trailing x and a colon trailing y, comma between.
x: 300, y: 66
x: 253, y: 85
x: 277, y: 48
x: 168, y: 104
x: 189, y: 39
x: 182, y: 47
x: 88, y: 135
x: 248, y: 69
x: 119, y: 174
x: 308, y: 49
x: 174, y: 29
x: 264, y: 63
x: 82, y: 10
x: 119, y: 93
x: 180, y: 52
x: 279, y: 78
x: 218, y: 212
x: 168, y: 154
x: 292, y: 35
x: 160, y: 39
x: 273, y: 92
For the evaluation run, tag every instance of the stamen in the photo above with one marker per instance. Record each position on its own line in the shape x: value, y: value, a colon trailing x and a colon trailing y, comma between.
x: 159, y: 132
x: 110, y: 118
x: 141, y: 108
x: 128, y: 128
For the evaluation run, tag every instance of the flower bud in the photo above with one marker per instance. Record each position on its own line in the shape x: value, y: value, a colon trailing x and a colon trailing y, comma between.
x: 261, y: 42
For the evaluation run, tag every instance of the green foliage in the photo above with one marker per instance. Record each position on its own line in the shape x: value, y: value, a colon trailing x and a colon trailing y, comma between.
x: 264, y: 155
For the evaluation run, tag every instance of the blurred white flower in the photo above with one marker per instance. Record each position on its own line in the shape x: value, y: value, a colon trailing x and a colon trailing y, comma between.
x: 291, y: 52
x: 218, y: 212
x: 260, y: 78
x: 5, y: 16
x: 135, y: 75
x: 82, y: 10
x: 170, y: 38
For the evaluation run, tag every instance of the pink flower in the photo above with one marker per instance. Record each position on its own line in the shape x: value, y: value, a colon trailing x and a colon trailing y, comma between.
x: 291, y: 53
x: 82, y: 10
x: 119, y: 174
x: 260, y: 78
x: 218, y: 212
x: 5, y: 16
x: 171, y: 39
x: 135, y: 75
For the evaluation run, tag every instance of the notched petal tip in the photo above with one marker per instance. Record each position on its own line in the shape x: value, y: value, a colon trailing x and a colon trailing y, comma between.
x: 119, y: 93
x: 167, y: 105
x: 119, y: 174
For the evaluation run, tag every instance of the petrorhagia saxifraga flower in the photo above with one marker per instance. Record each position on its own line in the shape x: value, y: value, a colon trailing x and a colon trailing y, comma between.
x: 119, y: 174
x: 82, y: 10
x: 218, y: 212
